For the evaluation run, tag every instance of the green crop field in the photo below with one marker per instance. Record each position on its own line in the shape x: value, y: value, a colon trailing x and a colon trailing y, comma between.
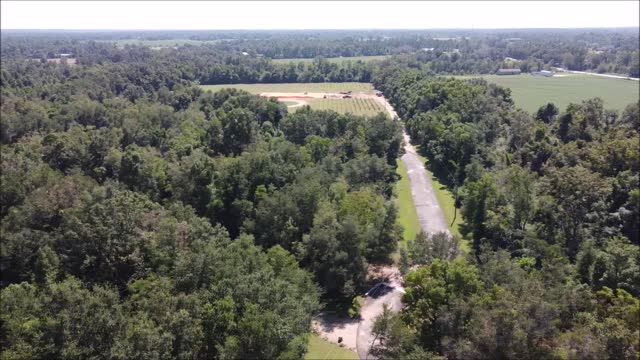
x: 320, y: 349
x: 296, y: 87
x: 334, y: 60
x: 530, y: 92
x: 355, y: 106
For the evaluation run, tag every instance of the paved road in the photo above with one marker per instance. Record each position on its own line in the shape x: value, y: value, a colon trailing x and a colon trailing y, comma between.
x: 371, y: 309
x: 429, y: 212
x: 601, y: 75
x: 431, y: 220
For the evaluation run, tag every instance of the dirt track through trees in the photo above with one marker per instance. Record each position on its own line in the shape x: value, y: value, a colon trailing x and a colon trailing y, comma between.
x: 431, y: 220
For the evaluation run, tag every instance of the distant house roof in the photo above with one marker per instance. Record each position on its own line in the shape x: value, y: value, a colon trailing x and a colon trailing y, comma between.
x: 63, y: 60
x: 545, y: 73
x: 508, y: 71
x: 245, y: 53
x: 427, y: 49
x: 65, y: 55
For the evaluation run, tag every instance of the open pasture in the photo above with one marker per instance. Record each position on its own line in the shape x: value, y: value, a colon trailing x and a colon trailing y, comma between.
x: 530, y: 92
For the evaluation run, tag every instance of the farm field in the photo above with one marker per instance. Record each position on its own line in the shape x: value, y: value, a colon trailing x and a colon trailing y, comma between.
x: 296, y: 87
x: 356, y: 106
x: 334, y: 60
x: 320, y: 349
x: 530, y: 92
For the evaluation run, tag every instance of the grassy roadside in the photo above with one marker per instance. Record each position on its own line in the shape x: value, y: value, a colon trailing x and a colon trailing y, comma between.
x: 446, y: 200
x: 407, y: 215
x: 320, y: 348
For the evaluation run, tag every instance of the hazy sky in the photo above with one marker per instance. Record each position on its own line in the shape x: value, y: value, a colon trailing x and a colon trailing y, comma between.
x: 315, y: 15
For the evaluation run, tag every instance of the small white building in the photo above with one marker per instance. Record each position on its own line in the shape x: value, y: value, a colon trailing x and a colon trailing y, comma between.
x: 545, y: 73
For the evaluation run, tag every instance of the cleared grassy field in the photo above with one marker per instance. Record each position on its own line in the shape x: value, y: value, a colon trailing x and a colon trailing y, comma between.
x: 322, y: 349
x: 407, y: 215
x: 296, y: 87
x: 334, y: 60
x: 530, y: 92
x: 355, y: 106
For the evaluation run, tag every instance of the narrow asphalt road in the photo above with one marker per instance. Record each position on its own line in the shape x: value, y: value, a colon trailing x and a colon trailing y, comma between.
x: 370, y: 310
x: 431, y: 220
x: 429, y: 212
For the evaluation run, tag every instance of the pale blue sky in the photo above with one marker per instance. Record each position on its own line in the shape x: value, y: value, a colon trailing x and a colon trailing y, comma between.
x: 316, y: 15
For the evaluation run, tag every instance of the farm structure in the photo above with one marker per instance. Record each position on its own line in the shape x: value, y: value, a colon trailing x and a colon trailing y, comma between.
x: 545, y: 73
x: 508, y: 72
x: 60, y: 60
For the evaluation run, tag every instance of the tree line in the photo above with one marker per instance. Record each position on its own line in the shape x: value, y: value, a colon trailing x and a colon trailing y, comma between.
x: 170, y: 222
x: 233, y: 57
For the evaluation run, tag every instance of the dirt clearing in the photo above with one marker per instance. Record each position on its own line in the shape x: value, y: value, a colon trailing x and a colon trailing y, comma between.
x: 331, y: 328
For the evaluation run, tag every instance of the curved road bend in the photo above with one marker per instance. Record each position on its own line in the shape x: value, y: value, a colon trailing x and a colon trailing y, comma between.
x: 431, y: 220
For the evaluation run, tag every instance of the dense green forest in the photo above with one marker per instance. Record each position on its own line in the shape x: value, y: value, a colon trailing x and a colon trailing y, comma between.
x: 177, y: 223
x: 551, y: 202
x: 223, y: 57
x: 142, y: 217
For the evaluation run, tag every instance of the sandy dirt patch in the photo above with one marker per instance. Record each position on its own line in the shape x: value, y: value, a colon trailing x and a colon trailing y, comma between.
x: 315, y: 95
x: 389, y: 291
x: 281, y: 95
x: 331, y: 328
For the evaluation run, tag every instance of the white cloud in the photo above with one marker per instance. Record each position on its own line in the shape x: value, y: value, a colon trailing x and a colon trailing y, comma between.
x: 316, y: 15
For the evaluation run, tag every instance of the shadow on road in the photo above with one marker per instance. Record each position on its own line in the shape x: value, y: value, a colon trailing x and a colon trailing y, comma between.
x: 379, y: 290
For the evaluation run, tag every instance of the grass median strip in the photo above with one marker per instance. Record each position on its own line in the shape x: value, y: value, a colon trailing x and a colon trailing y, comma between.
x: 446, y: 200
x: 407, y: 214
